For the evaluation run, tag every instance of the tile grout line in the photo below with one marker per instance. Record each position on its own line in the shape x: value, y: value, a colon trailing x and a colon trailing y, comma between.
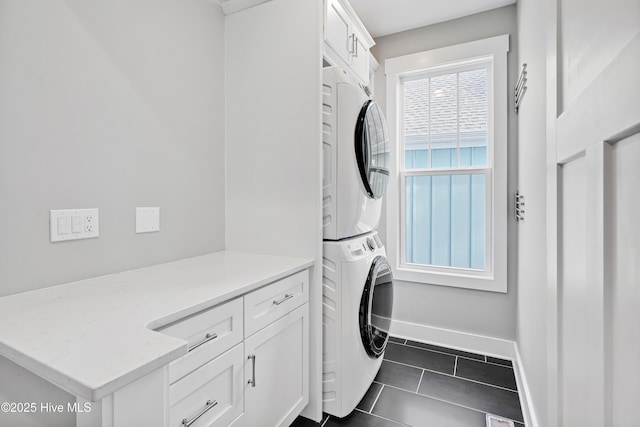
x: 420, y: 382
x: 449, y: 375
x: 484, y: 357
x: 326, y: 420
x: 455, y: 367
x: 444, y: 401
x: 376, y: 399
x: 499, y: 364
x: 381, y: 417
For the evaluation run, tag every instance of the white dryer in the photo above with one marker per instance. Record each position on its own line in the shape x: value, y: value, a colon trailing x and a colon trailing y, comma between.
x: 356, y: 157
x: 356, y: 315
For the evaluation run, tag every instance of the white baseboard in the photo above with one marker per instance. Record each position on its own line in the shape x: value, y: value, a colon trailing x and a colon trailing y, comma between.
x: 465, y: 341
x: 526, y: 403
x: 454, y: 339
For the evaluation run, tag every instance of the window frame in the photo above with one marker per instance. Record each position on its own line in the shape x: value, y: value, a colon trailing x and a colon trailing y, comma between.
x: 493, y: 52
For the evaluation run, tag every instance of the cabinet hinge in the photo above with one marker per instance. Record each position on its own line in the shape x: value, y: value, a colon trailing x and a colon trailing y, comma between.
x: 518, y: 201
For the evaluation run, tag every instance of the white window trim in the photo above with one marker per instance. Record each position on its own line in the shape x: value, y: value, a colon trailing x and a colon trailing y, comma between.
x: 495, y: 277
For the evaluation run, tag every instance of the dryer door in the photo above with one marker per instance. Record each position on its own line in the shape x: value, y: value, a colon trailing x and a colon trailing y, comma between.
x: 376, y: 306
x: 372, y: 149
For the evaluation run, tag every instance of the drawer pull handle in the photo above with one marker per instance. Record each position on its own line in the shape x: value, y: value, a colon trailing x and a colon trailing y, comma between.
x: 206, y: 339
x: 252, y: 381
x: 210, y: 404
x: 286, y: 297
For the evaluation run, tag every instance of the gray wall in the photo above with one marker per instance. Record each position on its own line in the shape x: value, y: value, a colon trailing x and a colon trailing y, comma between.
x: 111, y: 105
x: 477, y: 312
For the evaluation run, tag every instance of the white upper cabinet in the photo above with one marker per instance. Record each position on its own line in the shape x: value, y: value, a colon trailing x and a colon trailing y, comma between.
x: 337, y: 30
x: 347, y: 41
x: 360, y: 56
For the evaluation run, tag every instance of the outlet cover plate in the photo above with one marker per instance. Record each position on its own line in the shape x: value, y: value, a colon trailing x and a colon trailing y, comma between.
x: 73, y: 224
x: 147, y: 219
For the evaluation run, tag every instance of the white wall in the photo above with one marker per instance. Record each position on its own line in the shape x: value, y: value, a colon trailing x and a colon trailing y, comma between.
x: 111, y: 104
x: 477, y: 312
x: 273, y: 144
x: 532, y: 256
x: 590, y: 35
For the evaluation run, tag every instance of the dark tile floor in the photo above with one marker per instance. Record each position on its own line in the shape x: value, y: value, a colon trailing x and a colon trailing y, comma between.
x: 424, y: 385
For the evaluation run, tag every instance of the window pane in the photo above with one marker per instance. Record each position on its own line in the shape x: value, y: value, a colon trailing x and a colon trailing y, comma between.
x: 416, y: 123
x: 444, y: 120
x: 442, y: 113
x: 473, y: 117
x: 445, y: 220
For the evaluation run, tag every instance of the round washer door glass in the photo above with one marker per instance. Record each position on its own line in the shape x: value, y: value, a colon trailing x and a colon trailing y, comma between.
x: 376, y: 306
x: 372, y: 149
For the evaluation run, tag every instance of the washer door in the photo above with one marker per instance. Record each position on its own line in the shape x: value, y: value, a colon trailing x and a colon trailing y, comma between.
x: 372, y: 149
x: 376, y: 306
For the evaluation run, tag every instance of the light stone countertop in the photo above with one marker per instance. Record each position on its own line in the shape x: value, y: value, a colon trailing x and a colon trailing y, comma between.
x: 92, y: 337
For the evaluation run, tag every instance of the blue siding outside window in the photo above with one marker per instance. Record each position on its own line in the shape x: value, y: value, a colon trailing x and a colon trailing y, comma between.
x: 445, y: 214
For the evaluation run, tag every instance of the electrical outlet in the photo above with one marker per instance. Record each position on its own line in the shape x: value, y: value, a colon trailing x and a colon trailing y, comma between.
x: 73, y: 224
x: 88, y: 223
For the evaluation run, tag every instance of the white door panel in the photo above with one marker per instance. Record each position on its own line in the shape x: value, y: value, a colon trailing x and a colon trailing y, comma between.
x: 624, y: 281
x: 577, y: 294
x: 596, y: 343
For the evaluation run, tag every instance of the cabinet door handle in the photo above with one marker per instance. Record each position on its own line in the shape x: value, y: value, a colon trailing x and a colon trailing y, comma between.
x: 210, y: 404
x: 206, y: 339
x: 252, y: 381
x: 355, y: 44
x: 352, y: 40
x: 283, y: 299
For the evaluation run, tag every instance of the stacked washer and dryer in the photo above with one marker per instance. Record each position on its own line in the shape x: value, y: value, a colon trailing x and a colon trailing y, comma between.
x: 357, y: 279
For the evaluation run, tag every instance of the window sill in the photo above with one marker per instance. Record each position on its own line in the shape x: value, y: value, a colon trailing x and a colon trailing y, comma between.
x: 456, y: 280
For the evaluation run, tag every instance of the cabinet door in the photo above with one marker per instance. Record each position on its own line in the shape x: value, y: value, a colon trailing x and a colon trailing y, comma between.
x: 337, y: 32
x: 360, y: 57
x: 277, y: 376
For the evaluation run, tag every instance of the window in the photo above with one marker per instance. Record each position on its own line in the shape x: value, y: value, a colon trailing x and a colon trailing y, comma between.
x: 446, y: 206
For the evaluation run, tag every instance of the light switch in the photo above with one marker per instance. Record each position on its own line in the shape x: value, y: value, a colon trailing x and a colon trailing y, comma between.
x: 73, y: 224
x: 76, y: 224
x: 147, y: 219
x: 63, y: 225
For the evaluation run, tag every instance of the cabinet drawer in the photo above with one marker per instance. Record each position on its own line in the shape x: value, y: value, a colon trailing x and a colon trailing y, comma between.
x: 209, y: 333
x: 212, y: 395
x: 273, y: 301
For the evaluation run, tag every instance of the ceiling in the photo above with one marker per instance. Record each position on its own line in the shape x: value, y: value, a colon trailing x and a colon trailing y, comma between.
x: 382, y: 17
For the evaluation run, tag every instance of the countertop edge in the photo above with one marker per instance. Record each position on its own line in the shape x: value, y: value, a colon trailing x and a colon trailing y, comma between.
x: 210, y: 303
x: 78, y: 388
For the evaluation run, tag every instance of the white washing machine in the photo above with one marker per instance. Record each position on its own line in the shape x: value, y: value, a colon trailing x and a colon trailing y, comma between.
x: 356, y: 157
x: 356, y: 315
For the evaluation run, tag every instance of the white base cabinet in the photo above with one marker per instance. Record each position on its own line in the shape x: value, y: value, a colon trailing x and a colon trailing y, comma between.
x: 247, y: 366
x: 277, y: 371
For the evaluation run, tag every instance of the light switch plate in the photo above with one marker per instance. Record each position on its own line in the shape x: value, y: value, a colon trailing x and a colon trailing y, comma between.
x: 73, y: 224
x: 147, y: 219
